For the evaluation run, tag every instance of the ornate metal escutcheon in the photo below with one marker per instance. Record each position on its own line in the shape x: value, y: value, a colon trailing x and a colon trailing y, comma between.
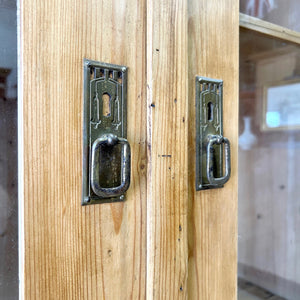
x: 106, y: 151
x: 209, y: 135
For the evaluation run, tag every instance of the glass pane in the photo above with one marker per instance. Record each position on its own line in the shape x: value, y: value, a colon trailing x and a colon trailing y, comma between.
x: 8, y: 152
x: 285, y: 13
x: 269, y: 168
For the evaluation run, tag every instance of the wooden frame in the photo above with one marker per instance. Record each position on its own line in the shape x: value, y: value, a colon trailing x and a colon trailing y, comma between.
x: 269, y: 28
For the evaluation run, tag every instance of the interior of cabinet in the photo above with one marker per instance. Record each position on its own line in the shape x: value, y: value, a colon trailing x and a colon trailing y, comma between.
x: 269, y: 204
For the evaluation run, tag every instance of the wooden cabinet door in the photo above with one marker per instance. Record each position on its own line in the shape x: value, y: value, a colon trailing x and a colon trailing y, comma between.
x: 166, y: 241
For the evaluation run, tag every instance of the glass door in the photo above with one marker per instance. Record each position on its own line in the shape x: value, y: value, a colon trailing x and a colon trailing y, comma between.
x: 269, y: 151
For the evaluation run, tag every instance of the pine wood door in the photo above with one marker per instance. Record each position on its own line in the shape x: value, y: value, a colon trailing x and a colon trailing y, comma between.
x: 166, y: 241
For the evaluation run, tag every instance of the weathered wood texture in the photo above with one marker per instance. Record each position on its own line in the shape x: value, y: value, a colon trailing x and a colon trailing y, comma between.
x: 167, y: 204
x: 74, y: 252
x: 213, y: 52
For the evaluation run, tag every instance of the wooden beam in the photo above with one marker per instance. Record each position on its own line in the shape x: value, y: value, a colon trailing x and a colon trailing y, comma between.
x: 269, y: 29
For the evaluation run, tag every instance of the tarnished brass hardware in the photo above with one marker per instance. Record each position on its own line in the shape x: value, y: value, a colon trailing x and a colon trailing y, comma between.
x: 209, y: 135
x: 217, y: 140
x: 107, y: 142
x: 106, y: 151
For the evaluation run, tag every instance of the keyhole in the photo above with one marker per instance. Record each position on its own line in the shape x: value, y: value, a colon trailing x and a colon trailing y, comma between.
x: 210, y: 115
x: 106, y: 105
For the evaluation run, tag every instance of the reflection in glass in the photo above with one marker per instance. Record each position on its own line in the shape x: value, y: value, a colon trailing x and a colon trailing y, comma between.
x: 247, y: 139
x: 282, y: 105
x: 8, y: 152
x: 269, y: 170
x: 284, y: 13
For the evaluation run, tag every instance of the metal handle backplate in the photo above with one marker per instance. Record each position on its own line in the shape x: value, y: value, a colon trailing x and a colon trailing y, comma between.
x: 209, y: 135
x: 106, y: 151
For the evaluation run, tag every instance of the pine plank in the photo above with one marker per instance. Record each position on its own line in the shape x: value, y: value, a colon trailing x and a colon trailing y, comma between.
x: 99, y: 252
x: 167, y: 203
x: 213, y: 52
x: 74, y: 252
x: 269, y: 29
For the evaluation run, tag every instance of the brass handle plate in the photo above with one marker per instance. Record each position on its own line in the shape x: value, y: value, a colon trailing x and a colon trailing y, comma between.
x: 106, y: 151
x: 209, y: 135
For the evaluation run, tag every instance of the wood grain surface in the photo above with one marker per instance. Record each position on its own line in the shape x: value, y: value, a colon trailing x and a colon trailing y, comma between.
x: 74, y: 252
x: 165, y: 241
x: 167, y: 203
x: 214, y: 52
x: 269, y: 29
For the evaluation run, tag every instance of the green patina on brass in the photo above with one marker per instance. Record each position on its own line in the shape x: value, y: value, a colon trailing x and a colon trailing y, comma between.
x: 209, y: 135
x: 106, y: 152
